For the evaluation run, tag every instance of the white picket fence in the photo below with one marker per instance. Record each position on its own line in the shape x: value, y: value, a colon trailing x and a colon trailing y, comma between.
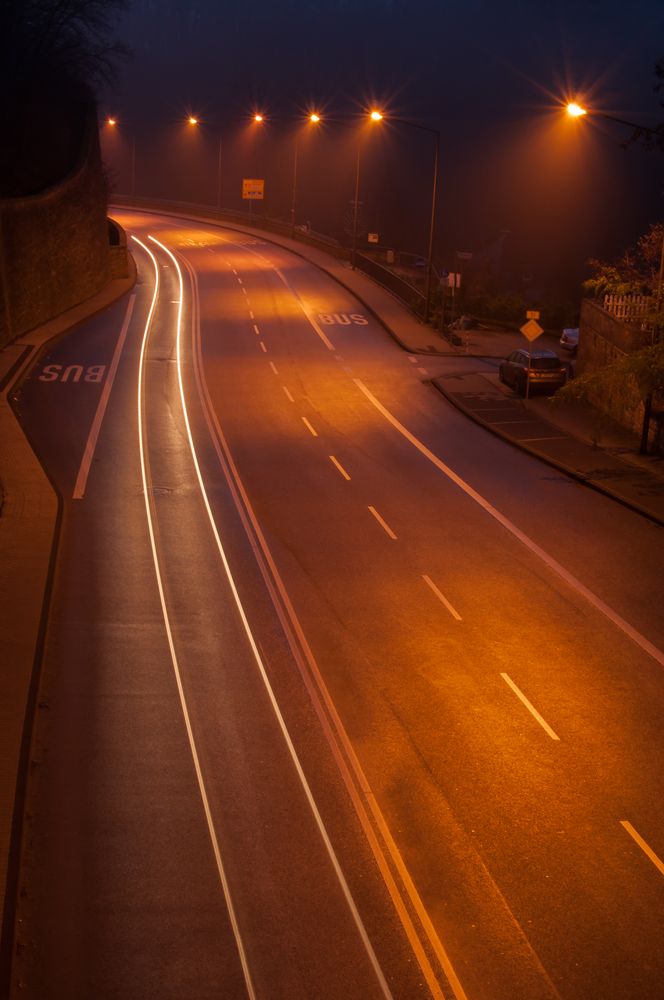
x: 631, y: 309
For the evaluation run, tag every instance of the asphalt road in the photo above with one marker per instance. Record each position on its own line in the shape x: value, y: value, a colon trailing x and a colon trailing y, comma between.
x: 341, y: 695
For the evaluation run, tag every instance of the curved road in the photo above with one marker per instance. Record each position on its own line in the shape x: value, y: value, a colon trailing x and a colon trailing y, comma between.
x: 341, y: 696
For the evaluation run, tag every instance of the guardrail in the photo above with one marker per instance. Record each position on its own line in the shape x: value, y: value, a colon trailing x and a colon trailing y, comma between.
x: 403, y: 290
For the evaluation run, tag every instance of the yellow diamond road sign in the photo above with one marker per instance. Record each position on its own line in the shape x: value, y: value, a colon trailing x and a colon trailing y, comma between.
x: 531, y: 329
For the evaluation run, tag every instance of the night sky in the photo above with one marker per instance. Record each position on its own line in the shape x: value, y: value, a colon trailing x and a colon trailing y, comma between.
x: 490, y: 76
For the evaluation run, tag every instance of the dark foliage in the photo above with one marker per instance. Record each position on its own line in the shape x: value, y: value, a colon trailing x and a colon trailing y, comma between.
x: 53, y: 55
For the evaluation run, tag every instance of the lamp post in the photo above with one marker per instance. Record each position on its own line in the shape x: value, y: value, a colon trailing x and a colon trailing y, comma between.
x: 313, y: 119
x: 575, y: 110
x: 374, y: 116
x: 434, y: 201
x: 112, y: 123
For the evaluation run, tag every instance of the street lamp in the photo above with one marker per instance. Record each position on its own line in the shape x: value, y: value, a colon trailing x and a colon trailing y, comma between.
x: 313, y: 119
x: 111, y: 122
x: 377, y: 116
x: 578, y: 111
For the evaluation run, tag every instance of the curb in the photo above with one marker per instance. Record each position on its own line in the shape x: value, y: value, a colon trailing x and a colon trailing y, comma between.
x: 554, y: 463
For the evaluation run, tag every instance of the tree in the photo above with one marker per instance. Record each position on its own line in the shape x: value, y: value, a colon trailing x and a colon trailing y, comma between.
x: 637, y: 272
x: 53, y: 54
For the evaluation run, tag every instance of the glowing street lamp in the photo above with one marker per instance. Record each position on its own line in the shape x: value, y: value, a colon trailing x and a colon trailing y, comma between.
x: 313, y: 119
x: 576, y: 111
x: 374, y: 116
x: 258, y: 119
x: 192, y: 120
x: 377, y: 116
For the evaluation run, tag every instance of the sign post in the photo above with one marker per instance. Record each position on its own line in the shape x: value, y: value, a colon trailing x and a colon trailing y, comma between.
x: 531, y: 331
x: 253, y: 189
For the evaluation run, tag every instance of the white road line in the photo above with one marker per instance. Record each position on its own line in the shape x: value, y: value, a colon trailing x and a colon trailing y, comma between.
x: 423, y: 371
x: 274, y: 367
x: 382, y: 523
x: 251, y: 315
x: 339, y: 467
x: 412, y: 359
x: 171, y: 645
x: 350, y: 769
x: 441, y: 597
x: 239, y: 280
x: 371, y: 954
x: 647, y: 850
x: 244, y: 291
x: 309, y: 427
x: 91, y: 443
x: 531, y: 708
x: 263, y: 347
x: 555, y: 437
x: 288, y: 395
x: 596, y: 602
x: 256, y: 330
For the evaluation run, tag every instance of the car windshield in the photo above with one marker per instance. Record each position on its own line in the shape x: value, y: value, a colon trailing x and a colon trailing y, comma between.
x: 545, y: 364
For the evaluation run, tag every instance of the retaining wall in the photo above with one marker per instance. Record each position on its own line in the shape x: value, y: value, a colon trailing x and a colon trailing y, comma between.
x: 54, y: 247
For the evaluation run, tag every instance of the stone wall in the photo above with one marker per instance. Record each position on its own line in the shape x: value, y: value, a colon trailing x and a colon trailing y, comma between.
x: 602, y: 340
x: 54, y: 250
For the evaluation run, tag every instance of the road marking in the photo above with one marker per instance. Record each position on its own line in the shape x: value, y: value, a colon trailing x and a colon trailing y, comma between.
x: 412, y: 359
x: 556, y: 437
x: 352, y: 906
x: 288, y: 395
x: 368, y: 811
x: 91, y: 443
x: 382, y: 523
x: 441, y: 597
x: 244, y: 290
x: 256, y: 330
x: 274, y: 367
x: 240, y: 280
x: 233, y: 270
x: 658, y: 863
x: 309, y: 427
x: 339, y: 467
x: 263, y: 347
x: 423, y: 371
x: 171, y: 645
x: 531, y: 708
x: 596, y: 602
x: 251, y: 315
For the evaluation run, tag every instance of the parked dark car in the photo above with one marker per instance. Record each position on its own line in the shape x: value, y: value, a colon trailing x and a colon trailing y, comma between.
x: 545, y: 368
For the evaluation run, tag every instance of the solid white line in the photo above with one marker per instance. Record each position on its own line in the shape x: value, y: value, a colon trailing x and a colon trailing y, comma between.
x: 359, y: 790
x: 373, y: 959
x: 309, y: 427
x: 339, y: 467
x: 556, y: 437
x: 171, y: 645
x: 531, y: 708
x: 263, y: 347
x: 382, y: 523
x: 288, y: 395
x: 274, y: 367
x: 441, y: 597
x: 629, y: 630
x: 91, y: 443
x: 658, y: 863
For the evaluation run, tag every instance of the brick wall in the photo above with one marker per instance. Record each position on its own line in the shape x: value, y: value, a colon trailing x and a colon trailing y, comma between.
x: 54, y: 249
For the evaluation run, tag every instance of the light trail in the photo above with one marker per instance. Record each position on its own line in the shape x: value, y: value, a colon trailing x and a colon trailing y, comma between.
x: 369, y: 814
x: 263, y: 672
x: 169, y: 633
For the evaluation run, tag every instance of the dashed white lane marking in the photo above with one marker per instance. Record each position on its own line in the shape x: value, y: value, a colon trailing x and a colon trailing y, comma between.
x: 412, y: 360
x: 91, y: 443
x: 263, y: 347
x: 441, y: 597
x: 256, y: 330
x: 274, y: 367
x: 244, y: 291
x: 233, y: 270
x: 251, y: 315
x: 288, y: 395
x: 647, y: 850
x: 556, y: 567
x: 384, y: 525
x: 423, y: 371
x: 340, y: 467
x: 240, y: 281
x: 309, y: 427
x: 531, y: 708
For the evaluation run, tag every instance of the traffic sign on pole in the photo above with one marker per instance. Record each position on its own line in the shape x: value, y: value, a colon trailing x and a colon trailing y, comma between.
x: 531, y: 330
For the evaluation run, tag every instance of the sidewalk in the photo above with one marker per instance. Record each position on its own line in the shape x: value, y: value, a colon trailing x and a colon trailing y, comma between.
x: 29, y: 515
